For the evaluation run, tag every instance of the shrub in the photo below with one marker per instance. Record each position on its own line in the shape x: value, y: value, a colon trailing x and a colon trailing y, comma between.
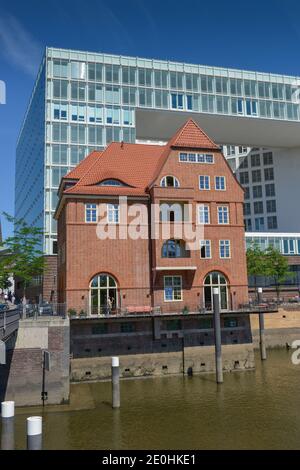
x: 185, y: 310
x: 72, y: 312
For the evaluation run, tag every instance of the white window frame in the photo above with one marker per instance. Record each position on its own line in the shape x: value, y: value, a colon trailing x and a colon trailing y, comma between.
x: 206, y: 179
x: 223, y: 207
x: 164, y: 180
x: 185, y: 155
x: 112, y: 210
x: 199, y: 208
x: 89, y: 209
x: 181, y: 293
x: 220, y: 189
x: 205, y: 243
x: 209, y: 155
x: 225, y: 244
x: 201, y: 158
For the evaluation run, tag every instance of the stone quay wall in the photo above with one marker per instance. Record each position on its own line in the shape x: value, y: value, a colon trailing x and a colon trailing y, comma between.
x: 21, y: 379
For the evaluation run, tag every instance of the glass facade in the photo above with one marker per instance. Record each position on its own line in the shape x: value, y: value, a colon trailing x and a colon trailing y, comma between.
x: 287, y: 244
x: 254, y: 168
x: 30, y: 193
x: 82, y: 101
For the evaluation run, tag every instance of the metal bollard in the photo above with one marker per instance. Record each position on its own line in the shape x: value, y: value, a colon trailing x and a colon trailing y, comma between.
x: 261, y: 318
x: 34, y: 433
x: 7, y: 425
x: 218, y: 342
x: 115, y: 381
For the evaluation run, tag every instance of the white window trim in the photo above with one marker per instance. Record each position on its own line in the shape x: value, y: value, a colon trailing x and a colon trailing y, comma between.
x: 169, y: 176
x: 204, y: 189
x: 203, y: 205
x: 224, y: 257
x: 85, y: 212
x: 206, y: 257
x: 174, y: 300
x: 107, y: 218
x: 223, y: 223
x: 196, y: 155
x: 220, y: 176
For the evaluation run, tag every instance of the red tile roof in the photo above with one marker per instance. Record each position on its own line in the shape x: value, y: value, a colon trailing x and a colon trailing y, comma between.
x: 77, y: 172
x: 135, y: 165
x: 190, y: 135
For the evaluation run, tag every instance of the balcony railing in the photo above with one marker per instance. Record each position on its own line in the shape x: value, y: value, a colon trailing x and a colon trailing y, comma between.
x: 141, y: 311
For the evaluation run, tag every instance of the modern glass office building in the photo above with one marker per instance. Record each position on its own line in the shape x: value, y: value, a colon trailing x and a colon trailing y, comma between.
x: 82, y: 101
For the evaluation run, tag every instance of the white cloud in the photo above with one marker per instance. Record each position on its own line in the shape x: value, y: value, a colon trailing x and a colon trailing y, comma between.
x: 18, y: 46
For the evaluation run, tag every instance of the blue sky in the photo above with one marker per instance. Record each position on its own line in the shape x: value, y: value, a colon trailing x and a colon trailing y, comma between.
x: 256, y: 35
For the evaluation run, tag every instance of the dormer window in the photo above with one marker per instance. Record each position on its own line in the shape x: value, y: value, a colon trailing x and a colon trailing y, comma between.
x: 111, y: 183
x: 169, y: 181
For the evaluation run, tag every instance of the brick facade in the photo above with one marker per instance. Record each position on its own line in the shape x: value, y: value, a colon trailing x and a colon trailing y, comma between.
x: 137, y: 265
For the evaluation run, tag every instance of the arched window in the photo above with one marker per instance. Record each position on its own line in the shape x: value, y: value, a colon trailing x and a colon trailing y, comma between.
x: 217, y: 280
x: 169, y: 181
x: 103, y: 294
x: 111, y: 183
x: 174, y: 249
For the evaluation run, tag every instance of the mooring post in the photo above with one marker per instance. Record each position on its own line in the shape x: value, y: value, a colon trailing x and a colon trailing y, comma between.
x: 34, y: 433
x: 7, y: 425
x: 262, y: 342
x: 217, y: 330
x: 115, y: 382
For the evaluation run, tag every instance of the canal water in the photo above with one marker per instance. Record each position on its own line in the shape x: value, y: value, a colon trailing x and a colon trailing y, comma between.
x: 251, y: 410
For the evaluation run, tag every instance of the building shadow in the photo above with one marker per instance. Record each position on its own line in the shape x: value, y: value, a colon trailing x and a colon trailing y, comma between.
x: 5, y: 368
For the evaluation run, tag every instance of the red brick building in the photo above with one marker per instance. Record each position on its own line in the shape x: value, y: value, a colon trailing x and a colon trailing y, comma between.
x: 189, y: 181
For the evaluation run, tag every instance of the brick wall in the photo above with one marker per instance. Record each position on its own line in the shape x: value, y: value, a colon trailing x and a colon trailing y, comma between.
x: 21, y: 377
x: 133, y: 262
x: 154, y: 349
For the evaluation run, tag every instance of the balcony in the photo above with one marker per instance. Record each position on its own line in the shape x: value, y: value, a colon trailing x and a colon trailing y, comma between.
x: 174, y: 194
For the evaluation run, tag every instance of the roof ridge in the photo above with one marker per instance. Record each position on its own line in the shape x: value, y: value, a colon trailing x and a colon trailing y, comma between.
x: 179, y: 134
x: 81, y: 163
x: 89, y: 167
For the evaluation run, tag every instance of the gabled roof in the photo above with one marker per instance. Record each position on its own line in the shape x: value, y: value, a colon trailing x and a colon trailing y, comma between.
x: 132, y: 164
x: 190, y: 135
x: 135, y: 165
x: 77, y: 172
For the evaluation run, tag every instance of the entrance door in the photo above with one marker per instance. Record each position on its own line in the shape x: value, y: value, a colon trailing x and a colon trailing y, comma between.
x: 103, y: 287
x: 215, y: 280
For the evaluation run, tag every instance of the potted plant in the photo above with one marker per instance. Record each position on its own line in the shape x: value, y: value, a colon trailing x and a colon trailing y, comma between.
x: 185, y: 310
x: 82, y: 314
x: 72, y: 312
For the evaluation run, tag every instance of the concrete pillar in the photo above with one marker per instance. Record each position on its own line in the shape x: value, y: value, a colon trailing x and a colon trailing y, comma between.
x: 217, y: 331
x: 115, y: 381
x: 34, y: 433
x: 262, y: 342
x: 7, y: 425
x: 24, y: 308
x: 7, y: 409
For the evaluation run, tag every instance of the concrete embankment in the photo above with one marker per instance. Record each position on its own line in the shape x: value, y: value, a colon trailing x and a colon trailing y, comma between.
x: 281, y: 328
x: 21, y: 379
x: 195, y: 359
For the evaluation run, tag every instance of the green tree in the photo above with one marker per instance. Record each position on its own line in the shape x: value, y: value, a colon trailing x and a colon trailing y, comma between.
x: 277, y: 267
x: 256, y: 262
x: 24, y: 255
x: 4, y: 279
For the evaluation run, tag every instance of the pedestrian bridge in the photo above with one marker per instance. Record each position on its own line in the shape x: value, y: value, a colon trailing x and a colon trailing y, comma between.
x: 9, y: 324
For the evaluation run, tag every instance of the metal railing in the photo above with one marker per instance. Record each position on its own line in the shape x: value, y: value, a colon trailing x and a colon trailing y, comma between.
x: 132, y: 311
x: 9, y: 322
x: 35, y: 311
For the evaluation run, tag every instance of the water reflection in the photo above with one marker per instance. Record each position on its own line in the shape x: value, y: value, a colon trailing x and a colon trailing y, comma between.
x: 254, y: 409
